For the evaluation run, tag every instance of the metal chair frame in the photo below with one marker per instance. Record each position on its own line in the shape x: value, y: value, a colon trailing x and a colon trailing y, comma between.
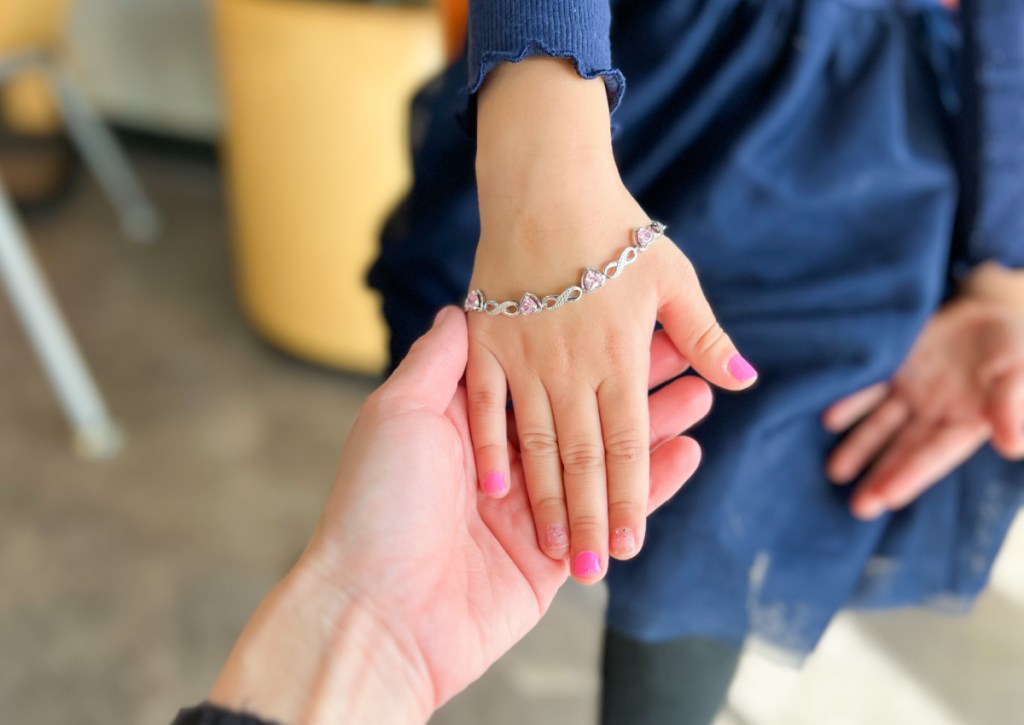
x: 96, y: 435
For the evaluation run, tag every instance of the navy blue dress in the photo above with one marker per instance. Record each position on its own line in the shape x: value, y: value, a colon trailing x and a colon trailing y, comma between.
x: 859, y: 146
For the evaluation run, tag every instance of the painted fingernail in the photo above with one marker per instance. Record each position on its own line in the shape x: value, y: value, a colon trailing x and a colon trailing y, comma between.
x: 555, y: 537
x: 586, y: 563
x: 494, y: 483
x: 741, y: 369
x: 623, y: 541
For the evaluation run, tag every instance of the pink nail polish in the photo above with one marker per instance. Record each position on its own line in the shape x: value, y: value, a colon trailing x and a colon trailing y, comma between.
x: 741, y: 369
x: 586, y: 563
x: 555, y: 537
x: 494, y: 483
x: 623, y: 541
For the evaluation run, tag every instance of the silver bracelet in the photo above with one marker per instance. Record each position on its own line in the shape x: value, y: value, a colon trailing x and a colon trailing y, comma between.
x: 590, y: 281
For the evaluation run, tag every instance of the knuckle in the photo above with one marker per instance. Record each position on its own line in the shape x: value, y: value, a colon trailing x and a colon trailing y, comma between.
x: 626, y: 449
x: 485, y: 401
x: 549, y: 509
x: 623, y: 353
x: 489, y: 451
x: 709, y: 338
x: 626, y: 513
x: 583, y: 458
x: 537, y: 443
x: 588, y: 525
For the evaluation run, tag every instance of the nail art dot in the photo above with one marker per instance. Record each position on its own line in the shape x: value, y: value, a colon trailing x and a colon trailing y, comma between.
x: 555, y: 537
x: 623, y: 541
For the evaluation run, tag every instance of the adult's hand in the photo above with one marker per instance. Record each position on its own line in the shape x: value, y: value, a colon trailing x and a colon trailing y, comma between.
x: 415, y: 582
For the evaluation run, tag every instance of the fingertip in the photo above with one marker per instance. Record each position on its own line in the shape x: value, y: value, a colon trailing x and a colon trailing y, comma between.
x: 741, y: 370
x: 867, y: 512
x: 449, y: 320
x: 703, y: 396
x: 868, y: 506
x: 434, y: 366
x: 690, y: 453
x: 837, y: 474
x: 830, y: 421
x: 443, y: 315
x: 672, y: 465
x: 1009, y: 447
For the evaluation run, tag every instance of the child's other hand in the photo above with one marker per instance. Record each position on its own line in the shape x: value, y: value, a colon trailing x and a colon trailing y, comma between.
x: 962, y: 385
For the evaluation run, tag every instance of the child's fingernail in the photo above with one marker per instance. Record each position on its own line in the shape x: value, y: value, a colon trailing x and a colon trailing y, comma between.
x: 494, y: 483
x: 586, y: 563
x: 555, y: 537
x: 741, y: 369
x: 623, y: 541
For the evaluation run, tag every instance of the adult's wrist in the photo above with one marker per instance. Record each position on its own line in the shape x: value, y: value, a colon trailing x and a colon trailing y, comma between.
x: 314, y: 652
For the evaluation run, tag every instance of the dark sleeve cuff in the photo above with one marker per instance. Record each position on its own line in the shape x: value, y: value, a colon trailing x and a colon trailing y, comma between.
x: 995, y: 98
x: 207, y: 714
x: 503, y: 31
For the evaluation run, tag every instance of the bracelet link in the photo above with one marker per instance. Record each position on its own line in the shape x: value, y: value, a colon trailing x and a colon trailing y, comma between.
x: 591, y: 280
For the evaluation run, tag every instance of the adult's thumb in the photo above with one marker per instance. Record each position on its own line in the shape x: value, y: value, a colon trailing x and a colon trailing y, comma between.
x: 430, y: 373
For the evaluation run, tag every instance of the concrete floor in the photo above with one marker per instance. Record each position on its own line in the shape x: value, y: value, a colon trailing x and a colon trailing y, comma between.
x: 124, y: 583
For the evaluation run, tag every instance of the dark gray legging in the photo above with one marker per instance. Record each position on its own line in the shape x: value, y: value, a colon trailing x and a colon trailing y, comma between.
x: 680, y: 682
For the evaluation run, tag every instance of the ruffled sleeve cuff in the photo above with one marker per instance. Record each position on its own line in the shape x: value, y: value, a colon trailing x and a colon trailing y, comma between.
x: 503, y: 31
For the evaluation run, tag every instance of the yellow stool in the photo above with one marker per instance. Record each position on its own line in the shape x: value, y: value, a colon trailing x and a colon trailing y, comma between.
x: 28, y: 105
x: 317, y: 97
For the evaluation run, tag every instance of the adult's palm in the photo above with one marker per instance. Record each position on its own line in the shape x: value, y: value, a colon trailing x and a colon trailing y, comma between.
x: 474, y: 581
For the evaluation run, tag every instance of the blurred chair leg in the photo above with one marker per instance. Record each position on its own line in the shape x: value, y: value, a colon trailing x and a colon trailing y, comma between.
x: 96, y: 435
x: 139, y: 219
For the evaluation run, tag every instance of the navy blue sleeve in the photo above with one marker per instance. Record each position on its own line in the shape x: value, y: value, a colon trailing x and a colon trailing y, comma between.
x: 510, y: 30
x: 207, y: 714
x: 995, y: 107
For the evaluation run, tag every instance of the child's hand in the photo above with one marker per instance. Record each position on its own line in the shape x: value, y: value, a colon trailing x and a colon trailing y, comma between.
x: 961, y: 386
x: 552, y: 203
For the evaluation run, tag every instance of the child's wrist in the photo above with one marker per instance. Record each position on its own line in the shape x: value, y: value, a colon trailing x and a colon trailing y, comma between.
x: 539, y: 108
x: 992, y: 283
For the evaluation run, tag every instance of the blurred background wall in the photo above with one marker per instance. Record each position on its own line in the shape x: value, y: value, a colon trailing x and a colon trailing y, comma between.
x: 150, y: 64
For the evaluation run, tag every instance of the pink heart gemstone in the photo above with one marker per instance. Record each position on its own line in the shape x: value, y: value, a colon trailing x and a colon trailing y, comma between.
x: 644, y: 237
x: 473, y: 300
x: 592, y: 279
x: 529, y: 304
